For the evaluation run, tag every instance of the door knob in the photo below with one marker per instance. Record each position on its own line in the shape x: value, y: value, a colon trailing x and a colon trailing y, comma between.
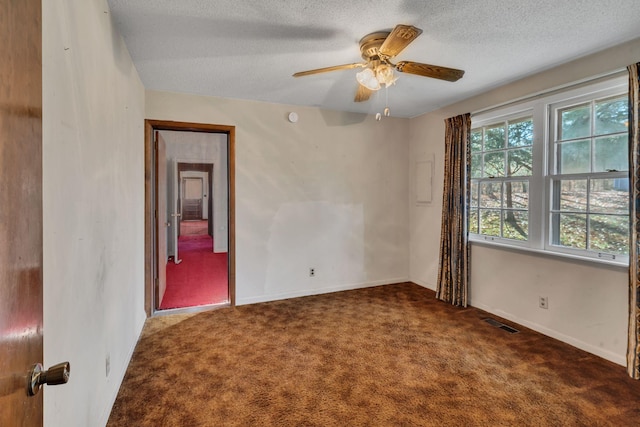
x: 57, y: 374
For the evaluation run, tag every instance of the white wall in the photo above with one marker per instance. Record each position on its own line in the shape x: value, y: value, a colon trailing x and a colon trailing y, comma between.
x: 200, y: 147
x: 587, y: 302
x: 93, y: 202
x: 327, y: 192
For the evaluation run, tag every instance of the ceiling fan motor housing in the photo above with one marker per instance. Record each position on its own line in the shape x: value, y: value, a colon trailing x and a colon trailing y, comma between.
x: 370, y: 45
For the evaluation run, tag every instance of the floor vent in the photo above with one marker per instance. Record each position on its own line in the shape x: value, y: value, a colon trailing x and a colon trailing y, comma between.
x: 501, y: 325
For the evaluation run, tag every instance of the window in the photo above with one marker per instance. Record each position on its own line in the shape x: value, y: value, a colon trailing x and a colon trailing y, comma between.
x: 500, y: 169
x: 552, y: 174
x: 589, y: 184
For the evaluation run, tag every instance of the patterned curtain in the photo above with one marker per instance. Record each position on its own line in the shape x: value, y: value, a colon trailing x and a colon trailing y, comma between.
x: 633, y: 347
x: 453, y: 272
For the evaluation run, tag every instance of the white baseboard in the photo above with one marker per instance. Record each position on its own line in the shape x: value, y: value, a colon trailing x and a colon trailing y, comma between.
x: 309, y: 292
x: 605, y: 354
x: 423, y: 284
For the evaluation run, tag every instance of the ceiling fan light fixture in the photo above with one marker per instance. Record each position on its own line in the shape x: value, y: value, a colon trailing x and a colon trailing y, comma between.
x: 367, y: 78
x: 385, y: 75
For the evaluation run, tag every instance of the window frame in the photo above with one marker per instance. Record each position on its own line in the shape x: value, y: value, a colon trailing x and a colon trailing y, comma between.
x: 542, y: 107
x: 525, y: 111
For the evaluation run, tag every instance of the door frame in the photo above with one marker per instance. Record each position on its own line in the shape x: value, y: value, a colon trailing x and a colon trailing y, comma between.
x: 150, y: 126
x: 183, y: 165
x: 186, y: 165
x: 183, y: 181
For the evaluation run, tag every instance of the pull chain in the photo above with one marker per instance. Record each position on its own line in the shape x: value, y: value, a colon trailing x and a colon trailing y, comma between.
x: 387, y: 111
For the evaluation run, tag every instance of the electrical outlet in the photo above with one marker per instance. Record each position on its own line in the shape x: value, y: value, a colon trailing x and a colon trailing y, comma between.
x: 107, y: 364
x: 312, y: 272
x: 544, y: 302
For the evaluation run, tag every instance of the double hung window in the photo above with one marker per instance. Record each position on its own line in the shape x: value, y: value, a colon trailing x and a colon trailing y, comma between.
x: 589, y: 176
x: 552, y: 174
x: 501, y: 167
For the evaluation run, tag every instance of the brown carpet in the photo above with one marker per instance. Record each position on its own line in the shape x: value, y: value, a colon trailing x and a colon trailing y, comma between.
x: 383, y: 356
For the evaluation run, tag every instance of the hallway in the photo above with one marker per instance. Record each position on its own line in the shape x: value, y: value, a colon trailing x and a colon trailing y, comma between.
x: 201, y: 278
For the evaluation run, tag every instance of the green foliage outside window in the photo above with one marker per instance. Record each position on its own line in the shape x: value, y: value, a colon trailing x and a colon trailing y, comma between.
x: 499, y: 207
x: 591, y: 213
x: 579, y: 185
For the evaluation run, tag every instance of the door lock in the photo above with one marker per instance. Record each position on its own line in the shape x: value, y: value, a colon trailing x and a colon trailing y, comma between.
x: 57, y: 374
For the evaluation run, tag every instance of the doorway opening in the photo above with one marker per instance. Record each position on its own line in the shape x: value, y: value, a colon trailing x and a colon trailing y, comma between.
x: 190, y: 224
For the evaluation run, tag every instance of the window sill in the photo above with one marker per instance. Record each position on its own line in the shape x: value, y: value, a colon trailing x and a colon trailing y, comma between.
x: 618, y: 265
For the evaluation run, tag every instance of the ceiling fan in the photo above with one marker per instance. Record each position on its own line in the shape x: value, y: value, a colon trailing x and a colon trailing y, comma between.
x: 377, y: 50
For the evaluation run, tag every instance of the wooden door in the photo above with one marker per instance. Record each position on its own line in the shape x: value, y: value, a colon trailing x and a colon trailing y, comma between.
x: 20, y: 208
x: 161, y: 217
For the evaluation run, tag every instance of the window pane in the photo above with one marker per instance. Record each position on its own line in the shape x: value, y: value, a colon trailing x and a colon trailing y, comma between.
x: 612, y: 115
x: 516, y: 225
x: 494, y: 138
x: 490, y: 194
x: 609, y: 233
x: 521, y: 133
x: 490, y: 222
x: 520, y: 162
x: 573, y: 195
x: 494, y: 164
x: 476, y: 140
x: 476, y: 165
x: 574, y: 157
x: 473, y: 221
x: 609, y: 196
x: 612, y: 153
x: 474, y: 194
x: 516, y: 195
x: 573, y: 230
x: 575, y: 122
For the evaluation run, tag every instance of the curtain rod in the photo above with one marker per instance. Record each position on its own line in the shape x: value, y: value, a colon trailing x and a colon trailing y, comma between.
x: 589, y: 80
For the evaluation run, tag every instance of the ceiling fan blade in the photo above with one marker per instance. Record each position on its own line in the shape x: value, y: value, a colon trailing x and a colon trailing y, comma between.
x: 426, y: 70
x: 362, y: 94
x: 327, y: 69
x: 399, y: 39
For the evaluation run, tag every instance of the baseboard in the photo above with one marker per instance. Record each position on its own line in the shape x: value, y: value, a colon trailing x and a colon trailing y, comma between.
x: 222, y: 249
x: 309, y: 292
x: 605, y: 354
x: 423, y: 284
x: 121, y: 373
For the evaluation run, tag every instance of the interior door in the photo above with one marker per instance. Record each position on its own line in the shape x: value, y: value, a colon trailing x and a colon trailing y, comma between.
x: 161, y: 217
x: 20, y: 209
x: 176, y: 215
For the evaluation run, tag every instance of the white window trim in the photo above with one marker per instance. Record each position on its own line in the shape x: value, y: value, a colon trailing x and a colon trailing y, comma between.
x: 540, y: 180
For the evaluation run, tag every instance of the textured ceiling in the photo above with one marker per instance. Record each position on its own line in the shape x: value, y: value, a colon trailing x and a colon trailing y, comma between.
x: 249, y: 49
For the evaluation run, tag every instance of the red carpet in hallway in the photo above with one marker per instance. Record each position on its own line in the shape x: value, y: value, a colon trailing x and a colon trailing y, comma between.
x: 201, y: 277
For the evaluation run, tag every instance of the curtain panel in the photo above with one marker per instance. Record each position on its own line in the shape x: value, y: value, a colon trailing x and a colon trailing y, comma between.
x: 453, y: 271
x: 633, y: 346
